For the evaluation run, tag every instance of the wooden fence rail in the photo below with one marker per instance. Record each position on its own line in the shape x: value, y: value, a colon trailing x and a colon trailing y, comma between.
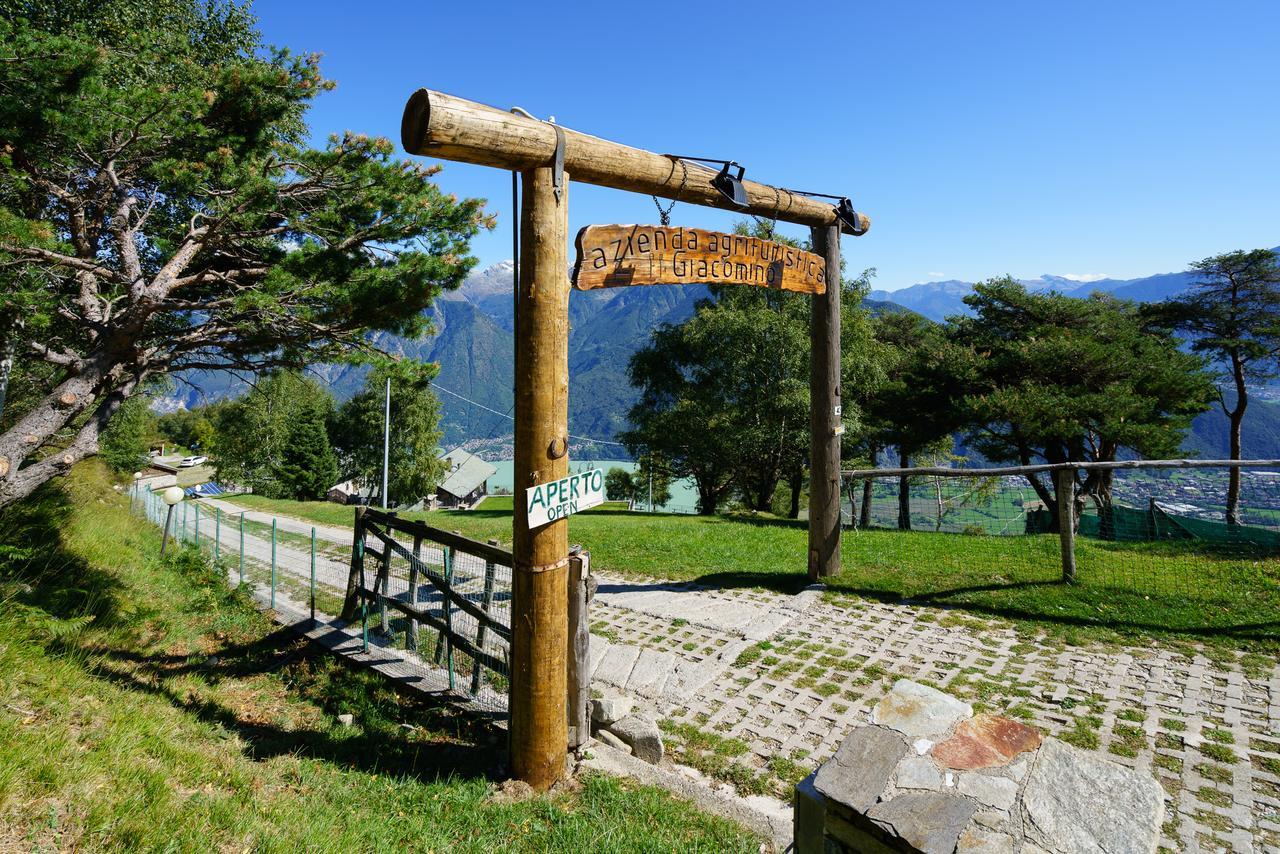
x: 945, y: 471
x: 491, y: 629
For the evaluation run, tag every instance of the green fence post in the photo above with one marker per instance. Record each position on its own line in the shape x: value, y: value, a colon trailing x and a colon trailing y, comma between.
x: 184, y: 521
x: 242, y: 547
x: 217, y: 534
x: 197, y: 527
x: 273, y: 561
x: 364, y: 602
x: 448, y: 608
x: 313, y: 575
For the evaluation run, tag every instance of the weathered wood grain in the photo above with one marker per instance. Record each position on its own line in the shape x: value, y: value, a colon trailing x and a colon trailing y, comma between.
x: 440, y: 125
x: 610, y: 256
x: 824, y: 416
x: 539, y: 608
x: 579, y: 699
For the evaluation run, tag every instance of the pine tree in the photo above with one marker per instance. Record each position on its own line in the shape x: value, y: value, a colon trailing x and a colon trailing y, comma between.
x: 308, y: 465
x: 160, y: 212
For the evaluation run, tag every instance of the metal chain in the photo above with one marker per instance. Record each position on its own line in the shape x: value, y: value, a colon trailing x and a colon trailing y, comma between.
x: 664, y: 215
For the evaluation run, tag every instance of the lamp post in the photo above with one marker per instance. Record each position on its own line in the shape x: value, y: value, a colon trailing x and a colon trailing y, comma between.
x: 171, y: 496
x: 386, y: 445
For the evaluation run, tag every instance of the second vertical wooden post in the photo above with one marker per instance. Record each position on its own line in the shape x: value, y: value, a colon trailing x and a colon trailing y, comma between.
x: 825, y: 413
x: 539, y: 617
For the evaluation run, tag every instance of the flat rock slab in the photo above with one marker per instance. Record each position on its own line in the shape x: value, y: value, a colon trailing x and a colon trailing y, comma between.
x: 616, y: 665
x: 975, y: 840
x: 1075, y: 801
x: 997, y: 792
x: 650, y: 673
x: 679, y: 602
x: 986, y: 741
x: 642, y: 735
x: 927, y: 821
x: 917, y: 710
x: 856, y: 776
x: 919, y: 773
x: 606, y: 710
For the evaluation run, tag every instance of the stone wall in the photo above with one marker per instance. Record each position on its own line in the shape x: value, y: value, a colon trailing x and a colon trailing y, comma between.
x: 928, y: 775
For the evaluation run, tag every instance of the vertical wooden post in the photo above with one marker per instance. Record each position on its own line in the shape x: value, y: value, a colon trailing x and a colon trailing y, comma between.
x: 539, y: 618
x: 1065, y: 481
x: 824, y: 413
x: 354, y: 576
x: 579, y: 649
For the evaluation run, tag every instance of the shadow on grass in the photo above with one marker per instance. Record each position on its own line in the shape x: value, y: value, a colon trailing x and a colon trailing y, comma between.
x: 46, y: 574
x: 953, y: 599
x: 444, y: 742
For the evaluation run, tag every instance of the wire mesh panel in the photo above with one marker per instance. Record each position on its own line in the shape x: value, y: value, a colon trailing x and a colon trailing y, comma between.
x: 442, y: 605
x: 442, y: 596
x: 1146, y: 530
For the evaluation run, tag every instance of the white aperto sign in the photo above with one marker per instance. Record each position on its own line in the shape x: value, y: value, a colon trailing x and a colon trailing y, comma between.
x: 547, y: 502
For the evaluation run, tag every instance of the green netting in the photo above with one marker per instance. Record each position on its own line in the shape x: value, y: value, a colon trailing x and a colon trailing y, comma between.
x: 1131, y: 525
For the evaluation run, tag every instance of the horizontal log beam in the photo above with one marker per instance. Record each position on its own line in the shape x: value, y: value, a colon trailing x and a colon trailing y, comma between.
x: 855, y: 474
x: 440, y: 125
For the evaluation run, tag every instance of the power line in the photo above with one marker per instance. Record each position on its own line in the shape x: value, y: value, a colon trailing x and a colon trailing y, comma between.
x: 508, y: 415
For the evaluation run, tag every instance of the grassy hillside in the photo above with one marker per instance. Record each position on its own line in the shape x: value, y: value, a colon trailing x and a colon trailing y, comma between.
x: 143, y: 706
x: 1125, y: 590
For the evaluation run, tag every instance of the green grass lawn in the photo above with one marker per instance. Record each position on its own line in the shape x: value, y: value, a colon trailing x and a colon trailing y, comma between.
x: 195, y: 475
x: 144, y: 706
x: 1125, y: 591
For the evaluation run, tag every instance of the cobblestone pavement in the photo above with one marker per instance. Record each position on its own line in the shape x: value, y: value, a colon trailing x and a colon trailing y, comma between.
x: 759, y: 688
x: 782, y: 679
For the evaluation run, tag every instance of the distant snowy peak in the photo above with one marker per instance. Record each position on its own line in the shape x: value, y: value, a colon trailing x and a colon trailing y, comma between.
x: 940, y: 300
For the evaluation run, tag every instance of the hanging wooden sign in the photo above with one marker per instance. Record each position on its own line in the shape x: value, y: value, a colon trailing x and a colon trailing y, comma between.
x: 611, y: 256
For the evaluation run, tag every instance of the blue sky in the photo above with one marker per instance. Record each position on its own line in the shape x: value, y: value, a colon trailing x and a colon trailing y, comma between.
x: 1117, y: 138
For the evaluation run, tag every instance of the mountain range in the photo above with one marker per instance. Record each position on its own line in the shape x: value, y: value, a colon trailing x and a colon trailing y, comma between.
x: 472, y: 342
x: 940, y: 300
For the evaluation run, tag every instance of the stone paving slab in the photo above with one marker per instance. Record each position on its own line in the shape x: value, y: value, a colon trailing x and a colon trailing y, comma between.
x: 791, y: 675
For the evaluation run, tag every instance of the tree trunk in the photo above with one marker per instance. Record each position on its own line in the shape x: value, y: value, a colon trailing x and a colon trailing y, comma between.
x: 708, y: 495
x: 904, y: 492
x: 868, y: 487
x: 764, y: 496
x: 1237, y: 421
x: 72, y: 397
x: 796, y: 482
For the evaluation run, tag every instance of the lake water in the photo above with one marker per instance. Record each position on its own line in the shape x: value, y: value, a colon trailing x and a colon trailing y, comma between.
x: 684, y: 495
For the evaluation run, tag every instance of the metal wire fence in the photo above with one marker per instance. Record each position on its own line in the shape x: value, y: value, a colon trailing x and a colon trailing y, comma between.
x: 1147, y: 528
x: 303, y: 570
x: 440, y: 595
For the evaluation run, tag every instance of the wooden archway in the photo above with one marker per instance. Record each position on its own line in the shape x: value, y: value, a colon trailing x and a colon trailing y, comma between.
x: 548, y: 156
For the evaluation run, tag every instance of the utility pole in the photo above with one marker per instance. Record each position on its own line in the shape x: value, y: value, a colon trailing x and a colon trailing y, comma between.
x: 649, y: 456
x: 386, y: 445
